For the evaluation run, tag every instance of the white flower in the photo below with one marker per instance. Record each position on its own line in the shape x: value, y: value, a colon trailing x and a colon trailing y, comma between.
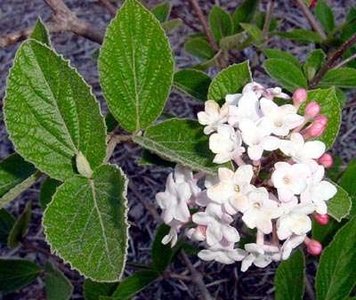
x: 226, y: 144
x: 247, y: 108
x: 301, y: 151
x: 275, y: 92
x: 225, y: 255
x: 259, y: 256
x: 217, y: 225
x: 295, y: 220
x: 281, y: 118
x: 291, y: 243
x: 290, y: 180
x: 231, y: 189
x: 197, y: 234
x: 172, y: 236
x: 260, y: 210
x: 185, y: 175
x: 213, y: 116
x: 257, y: 137
x: 318, y: 191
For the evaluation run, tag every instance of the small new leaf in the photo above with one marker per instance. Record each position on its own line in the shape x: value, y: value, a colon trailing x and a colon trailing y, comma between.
x: 40, y: 33
x: 83, y: 165
x: 58, y: 287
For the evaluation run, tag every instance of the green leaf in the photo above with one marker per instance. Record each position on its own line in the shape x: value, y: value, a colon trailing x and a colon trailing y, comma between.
x: 20, y: 227
x: 161, y: 254
x: 220, y: 23
x: 238, y: 41
x: 181, y: 141
x: 135, y: 67
x: 93, y: 290
x: 48, y: 188
x: 325, y: 233
x: 325, y: 15
x: 279, y: 54
x: 286, y: 73
x: 16, y: 273
x: 14, y: 170
x: 130, y: 286
x: 40, y: 33
x: 199, y: 46
x: 162, y: 11
x: 58, y: 287
x: 7, y: 221
x: 330, y: 107
x: 336, y: 274
x: 289, y: 278
x: 172, y: 25
x: 193, y: 82
x: 341, y: 77
x: 340, y: 205
x: 51, y: 114
x: 148, y: 159
x: 347, y: 182
x: 244, y: 13
x: 229, y: 81
x: 85, y: 224
x: 301, y: 35
x: 253, y: 31
x: 313, y: 63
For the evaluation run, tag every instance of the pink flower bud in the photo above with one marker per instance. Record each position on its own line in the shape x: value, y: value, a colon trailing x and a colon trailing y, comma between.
x: 326, y: 160
x: 313, y: 3
x: 321, y: 119
x: 314, y: 247
x: 312, y: 109
x: 322, y: 219
x: 317, y: 128
x: 299, y: 96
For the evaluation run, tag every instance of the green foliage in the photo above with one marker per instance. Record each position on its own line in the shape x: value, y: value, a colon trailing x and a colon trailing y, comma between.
x: 279, y: 54
x: 86, y: 225
x: 136, y: 67
x: 325, y: 233
x: 325, y: 15
x: 181, y: 141
x: 289, y: 278
x: 199, y: 46
x: 336, y: 275
x: 253, y: 31
x: 54, y: 115
x: 161, y: 254
x: 162, y: 11
x: 341, y: 77
x: 286, y: 73
x: 14, y: 170
x: 301, y: 35
x: 238, y: 41
x: 20, y: 227
x: 48, y: 188
x: 330, y: 107
x: 148, y: 159
x: 134, y: 284
x: 93, y: 290
x: 244, y: 13
x: 171, y: 25
x: 313, y: 63
x: 58, y: 287
x: 193, y: 82
x: 220, y: 23
x: 40, y: 33
x: 16, y: 273
x: 340, y: 205
x: 229, y: 81
x: 7, y: 221
x: 347, y: 182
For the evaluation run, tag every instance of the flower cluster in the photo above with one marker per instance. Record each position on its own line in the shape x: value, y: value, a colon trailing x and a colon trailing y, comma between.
x: 271, y: 179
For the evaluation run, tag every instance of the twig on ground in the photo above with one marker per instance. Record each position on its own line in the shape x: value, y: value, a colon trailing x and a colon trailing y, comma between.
x: 109, y: 6
x: 332, y: 60
x: 197, y: 277
x: 311, y: 19
x: 345, y: 61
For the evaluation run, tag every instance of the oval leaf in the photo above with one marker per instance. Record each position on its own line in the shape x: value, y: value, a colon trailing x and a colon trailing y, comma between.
x: 336, y: 274
x: 181, y: 141
x: 136, y: 67
x: 229, y: 81
x: 286, y: 73
x: 7, y: 221
x: 279, y: 54
x: 16, y: 273
x: 340, y: 205
x: 58, y: 287
x: 50, y: 112
x: 220, y: 23
x: 193, y: 82
x: 85, y: 223
x: 289, y: 278
x: 48, y: 188
x: 199, y: 46
x: 347, y: 182
x: 341, y: 77
x: 93, y: 290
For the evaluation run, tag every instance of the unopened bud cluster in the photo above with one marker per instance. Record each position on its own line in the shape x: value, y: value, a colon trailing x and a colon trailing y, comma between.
x: 271, y: 178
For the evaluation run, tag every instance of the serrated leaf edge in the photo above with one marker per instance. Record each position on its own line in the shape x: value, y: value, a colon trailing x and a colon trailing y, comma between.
x: 338, y: 187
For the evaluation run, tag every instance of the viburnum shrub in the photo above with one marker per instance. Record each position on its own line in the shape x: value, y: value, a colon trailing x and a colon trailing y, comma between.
x: 253, y: 178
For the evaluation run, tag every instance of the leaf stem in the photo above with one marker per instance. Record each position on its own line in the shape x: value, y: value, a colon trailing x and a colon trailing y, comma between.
x: 268, y: 19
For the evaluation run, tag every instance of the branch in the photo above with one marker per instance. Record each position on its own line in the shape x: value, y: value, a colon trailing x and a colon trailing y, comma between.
x: 268, y: 18
x: 204, y: 23
x: 111, y: 8
x: 311, y: 19
x: 333, y: 58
